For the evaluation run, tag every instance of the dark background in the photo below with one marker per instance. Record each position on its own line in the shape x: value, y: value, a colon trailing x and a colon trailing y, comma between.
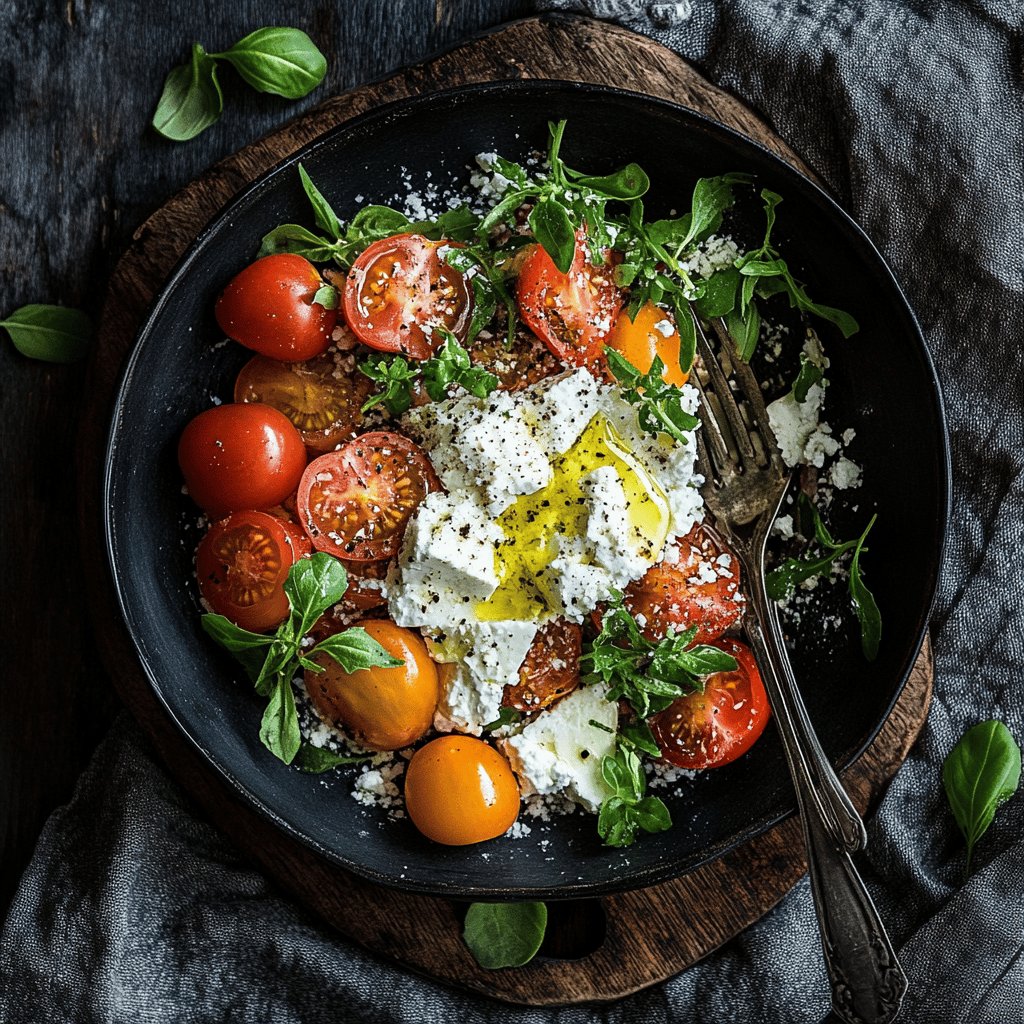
x: 80, y: 170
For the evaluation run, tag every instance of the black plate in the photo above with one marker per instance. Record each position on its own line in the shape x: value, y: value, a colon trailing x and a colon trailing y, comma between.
x: 883, y: 384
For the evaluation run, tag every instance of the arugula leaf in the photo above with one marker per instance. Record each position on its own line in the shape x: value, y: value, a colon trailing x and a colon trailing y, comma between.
x: 282, y: 61
x: 323, y: 212
x: 272, y: 660
x: 711, y: 198
x: 745, y: 329
x: 398, y: 378
x: 319, y: 759
x: 868, y: 615
x: 719, y: 295
x: 504, y: 934
x: 628, y: 811
x: 981, y: 772
x: 54, y: 334
x: 191, y: 99
x: 659, y: 405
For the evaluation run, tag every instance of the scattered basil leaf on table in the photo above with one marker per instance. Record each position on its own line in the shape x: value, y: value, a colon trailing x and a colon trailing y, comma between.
x: 282, y: 61
x: 191, y: 100
x: 53, y: 334
x: 981, y: 772
x: 504, y: 934
x: 273, y: 660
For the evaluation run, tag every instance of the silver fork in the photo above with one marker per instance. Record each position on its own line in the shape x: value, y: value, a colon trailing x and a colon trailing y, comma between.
x: 745, y: 482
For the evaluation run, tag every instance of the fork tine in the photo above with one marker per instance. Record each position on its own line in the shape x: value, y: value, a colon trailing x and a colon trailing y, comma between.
x: 710, y: 436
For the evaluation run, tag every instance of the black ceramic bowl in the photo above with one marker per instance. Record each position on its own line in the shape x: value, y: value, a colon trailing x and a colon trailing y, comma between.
x: 883, y: 383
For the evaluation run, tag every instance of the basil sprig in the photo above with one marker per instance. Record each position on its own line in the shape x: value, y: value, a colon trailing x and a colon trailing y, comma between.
x: 659, y: 405
x: 504, y: 934
x: 628, y: 811
x: 273, y: 660
x: 450, y: 365
x: 781, y: 581
x: 282, y: 61
x: 53, y: 334
x: 981, y: 772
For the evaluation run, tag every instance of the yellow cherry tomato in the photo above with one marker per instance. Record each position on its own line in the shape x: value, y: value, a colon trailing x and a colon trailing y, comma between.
x: 459, y: 790
x: 382, y: 708
x: 642, y: 339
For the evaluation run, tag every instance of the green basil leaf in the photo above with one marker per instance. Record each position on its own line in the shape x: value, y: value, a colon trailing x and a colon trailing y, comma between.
x: 652, y: 815
x: 785, y: 577
x: 282, y: 61
x: 319, y: 759
x: 638, y: 735
x: 704, y: 660
x: 549, y: 221
x: 673, y: 232
x: 312, y: 586
x: 191, y: 100
x: 355, y: 649
x: 630, y: 182
x: 504, y: 934
x: 323, y: 212
x: 53, y: 334
x: 294, y: 238
x: 981, y: 772
x: 326, y: 296
x: 279, y: 729
x: 846, y: 323
x: 810, y: 373
x: 719, y: 295
x: 615, y: 824
x: 379, y: 222
x: 460, y: 224
x: 500, y: 213
x: 762, y: 268
x: 506, y: 716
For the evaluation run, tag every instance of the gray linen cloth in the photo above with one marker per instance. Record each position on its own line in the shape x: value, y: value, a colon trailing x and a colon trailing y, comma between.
x: 134, y: 909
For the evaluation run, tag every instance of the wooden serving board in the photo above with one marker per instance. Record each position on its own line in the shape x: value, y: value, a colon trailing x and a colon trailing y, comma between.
x: 650, y: 934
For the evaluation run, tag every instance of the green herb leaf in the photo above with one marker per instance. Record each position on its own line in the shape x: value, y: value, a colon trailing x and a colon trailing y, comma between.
x: 319, y: 759
x: 312, y: 586
x: 451, y: 365
x: 326, y: 296
x: 659, y: 405
x: 864, y: 603
x: 711, y: 198
x: 323, y: 212
x: 549, y: 221
x: 53, y: 334
x: 279, y: 730
x: 398, y: 378
x: 294, y: 238
x: 355, y: 649
x: 191, y: 100
x: 505, y: 934
x: 981, y: 772
x: 506, y: 716
x: 628, y: 811
x: 282, y: 61
x: 745, y: 329
x: 630, y: 182
x: 719, y: 295
x: 810, y: 374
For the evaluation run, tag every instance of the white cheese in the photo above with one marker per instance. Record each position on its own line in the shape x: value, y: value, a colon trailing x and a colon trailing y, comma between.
x: 845, y: 474
x: 561, y: 752
x: 619, y: 554
x: 560, y: 409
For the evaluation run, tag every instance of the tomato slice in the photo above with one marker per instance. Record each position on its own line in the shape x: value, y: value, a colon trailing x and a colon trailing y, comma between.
x: 571, y: 313
x: 322, y: 397
x: 355, y: 503
x: 550, y: 670
x: 401, y: 285
x: 709, y: 729
x: 652, y: 332
x: 242, y: 564
x: 701, y: 589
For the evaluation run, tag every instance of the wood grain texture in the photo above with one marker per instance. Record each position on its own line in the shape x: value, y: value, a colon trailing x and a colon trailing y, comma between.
x: 651, y: 934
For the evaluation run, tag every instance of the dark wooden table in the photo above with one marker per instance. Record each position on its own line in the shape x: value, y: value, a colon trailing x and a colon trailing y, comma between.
x: 81, y: 169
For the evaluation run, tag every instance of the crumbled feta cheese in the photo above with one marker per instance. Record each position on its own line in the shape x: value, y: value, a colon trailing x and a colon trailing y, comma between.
x: 845, y: 474
x: 783, y: 527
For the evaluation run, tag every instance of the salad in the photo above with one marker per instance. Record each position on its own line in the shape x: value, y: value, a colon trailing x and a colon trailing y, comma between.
x: 455, y: 533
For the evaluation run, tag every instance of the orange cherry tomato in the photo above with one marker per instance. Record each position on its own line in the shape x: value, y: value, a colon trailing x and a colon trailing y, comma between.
x: 356, y: 502
x: 382, y: 708
x: 460, y: 790
x: 269, y: 308
x: 550, y: 670
x: 240, y: 456
x: 695, y: 591
x: 571, y: 313
x: 399, y: 286
x: 242, y: 564
x: 709, y: 729
x: 321, y: 397
x: 652, y: 333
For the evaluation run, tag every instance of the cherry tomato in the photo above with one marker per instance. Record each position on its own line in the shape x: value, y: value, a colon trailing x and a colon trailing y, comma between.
x: 382, y: 708
x: 526, y: 361
x: 269, y: 308
x: 709, y: 729
x: 400, y: 285
x: 652, y: 333
x: 459, y: 790
x: 701, y: 589
x: 571, y: 313
x: 550, y: 670
x: 242, y: 564
x: 355, y: 502
x: 321, y: 397
x: 240, y: 456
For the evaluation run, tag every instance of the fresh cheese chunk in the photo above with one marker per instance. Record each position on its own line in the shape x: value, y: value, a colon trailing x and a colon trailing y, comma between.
x: 560, y: 751
x: 624, y: 554
x: 560, y: 409
x: 801, y: 437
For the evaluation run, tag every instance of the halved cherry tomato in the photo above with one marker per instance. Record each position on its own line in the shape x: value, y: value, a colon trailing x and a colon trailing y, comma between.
x: 460, y: 790
x: 355, y: 503
x: 550, y: 670
x: 652, y: 333
x: 709, y: 729
x: 571, y: 313
x: 400, y: 285
x: 240, y: 456
x: 701, y: 589
x: 382, y: 708
x: 242, y: 564
x: 321, y: 397
x: 269, y: 308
